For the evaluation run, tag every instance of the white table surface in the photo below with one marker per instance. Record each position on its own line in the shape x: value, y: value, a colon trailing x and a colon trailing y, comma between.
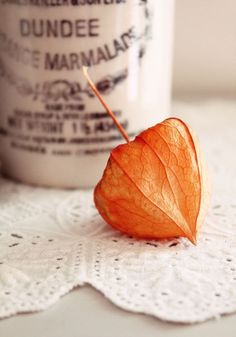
x: 86, y: 313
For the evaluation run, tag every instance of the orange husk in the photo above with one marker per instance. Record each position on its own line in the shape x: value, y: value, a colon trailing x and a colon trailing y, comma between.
x: 155, y: 186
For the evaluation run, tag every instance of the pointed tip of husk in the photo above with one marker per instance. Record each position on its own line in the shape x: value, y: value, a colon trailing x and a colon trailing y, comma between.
x: 193, y: 239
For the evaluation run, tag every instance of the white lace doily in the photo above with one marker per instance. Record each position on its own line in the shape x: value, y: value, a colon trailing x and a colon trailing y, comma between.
x: 52, y: 241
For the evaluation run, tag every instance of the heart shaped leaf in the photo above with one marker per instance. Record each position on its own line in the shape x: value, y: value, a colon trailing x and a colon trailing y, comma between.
x: 152, y: 187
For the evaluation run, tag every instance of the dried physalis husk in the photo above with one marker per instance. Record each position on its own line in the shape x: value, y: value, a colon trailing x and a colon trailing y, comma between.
x: 155, y: 186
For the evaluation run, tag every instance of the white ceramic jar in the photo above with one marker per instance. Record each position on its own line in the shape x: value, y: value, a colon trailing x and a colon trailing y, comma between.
x: 54, y: 132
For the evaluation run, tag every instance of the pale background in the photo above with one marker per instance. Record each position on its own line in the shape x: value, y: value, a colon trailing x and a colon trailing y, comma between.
x: 204, y: 65
x: 205, y: 48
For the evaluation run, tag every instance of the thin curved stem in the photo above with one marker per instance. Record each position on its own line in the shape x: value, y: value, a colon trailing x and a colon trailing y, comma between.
x: 110, y: 113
